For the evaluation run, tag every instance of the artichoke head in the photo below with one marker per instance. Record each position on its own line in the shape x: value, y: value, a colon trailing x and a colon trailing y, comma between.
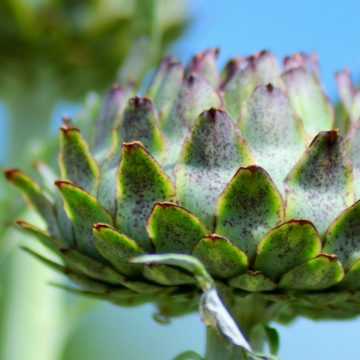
x: 248, y: 169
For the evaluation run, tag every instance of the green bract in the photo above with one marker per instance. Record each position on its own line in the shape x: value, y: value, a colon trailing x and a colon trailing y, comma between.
x: 244, y: 169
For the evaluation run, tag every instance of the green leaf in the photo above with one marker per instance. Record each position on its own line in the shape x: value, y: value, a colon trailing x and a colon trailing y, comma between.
x: 35, y: 196
x: 51, y: 264
x: 44, y: 238
x: 267, y: 118
x: 252, y: 281
x: 75, y: 160
x: 221, y: 258
x: 85, y: 265
x: 352, y: 277
x: 204, y: 64
x: 308, y: 100
x: 141, y: 183
x: 139, y: 123
x: 273, y: 338
x: 317, y: 274
x: 167, y: 275
x: 174, y: 229
x: 84, y: 211
x: 117, y: 248
x: 320, y: 185
x: 248, y: 208
x: 210, y: 158
x: 343, y: 237
x: 287, y: 246
x: 165, y: 86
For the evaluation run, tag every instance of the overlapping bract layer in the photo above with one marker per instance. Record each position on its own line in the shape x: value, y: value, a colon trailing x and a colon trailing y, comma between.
x: 244, y: 169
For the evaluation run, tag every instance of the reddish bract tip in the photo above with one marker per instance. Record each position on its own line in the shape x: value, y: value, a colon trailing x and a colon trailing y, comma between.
x: 21, y: 223
x: 139, y: 102
x: 62, y: 183
x: 11, y: 174
x: 67, y: 129
x: 213, y: 113
x: 190, y: 80
x: 263, y: 52
x: 214, y: 237
x: 253, y: 168
x: 132, y: 146
x: 165, y: 205
x: 270, y: 87
x: 100, y: 226
x: 300, y: 222
x: 331, y: 257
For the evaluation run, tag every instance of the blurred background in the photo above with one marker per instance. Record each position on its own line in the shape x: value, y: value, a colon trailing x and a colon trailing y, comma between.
x: 52, y: 53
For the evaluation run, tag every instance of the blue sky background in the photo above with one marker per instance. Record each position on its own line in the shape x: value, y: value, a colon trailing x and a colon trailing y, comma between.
x: 332, y: 29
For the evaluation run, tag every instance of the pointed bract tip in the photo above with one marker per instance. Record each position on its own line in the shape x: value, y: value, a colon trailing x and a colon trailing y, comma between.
x: 22, y: 223
x: 139, y: 102
x: 101, y: 226
x: 264, y: 52
x: 132, y: 146
x: 330, y: 137
x: 253, y: 168
x: 270, y: 87
x: 191, y: 79
x: 63, y: 183
x: 68, y: 129
x: 170, y: 61
x: 300, y: 222
x: 11, y: 174
x: 331, y: 257
x: 212, y: 114
x: 214, y: 237
x: 165, y: 205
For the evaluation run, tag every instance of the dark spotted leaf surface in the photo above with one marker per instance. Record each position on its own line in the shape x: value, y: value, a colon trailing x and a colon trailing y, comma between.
x: 221, y: 258
x: 287, y: 246
x: 117, y: 248
x: 317, y: 274
x: 273, y: 132
x: 320, y: 185
x: 75, y: 160
x: 249, y: 207
x: 174, y: 229
x: 343, y: 236
x: 141, y: 183
x: 83, y: 211
x: 210, y: 158
x: 140, y: 123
